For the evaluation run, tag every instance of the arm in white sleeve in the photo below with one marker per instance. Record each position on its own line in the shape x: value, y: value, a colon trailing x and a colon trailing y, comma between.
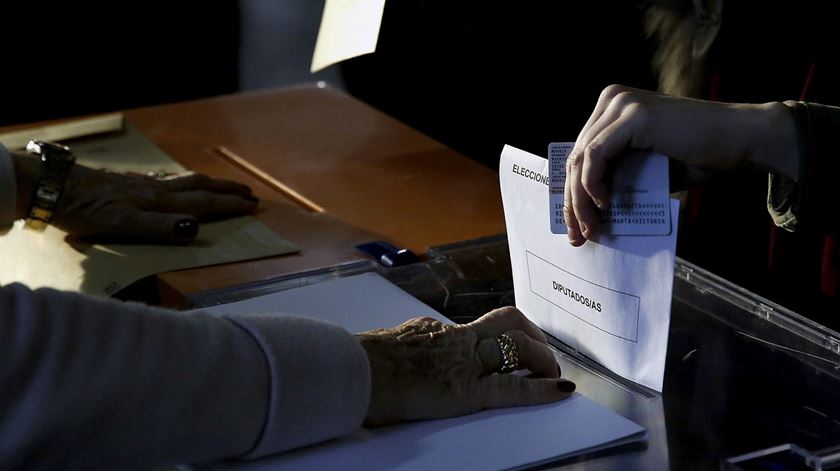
x: 91, y: 383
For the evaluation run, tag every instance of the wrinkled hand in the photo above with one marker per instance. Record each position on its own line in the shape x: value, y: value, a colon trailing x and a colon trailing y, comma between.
x: 96, y: 203
x: 706, y: 136
x: 424, y: 369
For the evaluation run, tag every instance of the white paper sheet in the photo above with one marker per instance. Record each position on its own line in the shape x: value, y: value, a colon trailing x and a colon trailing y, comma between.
x: 59, y: 132
x: 349, y: 28
x: 357, y: 303
x: 497, y: 439
x: 610, y: 299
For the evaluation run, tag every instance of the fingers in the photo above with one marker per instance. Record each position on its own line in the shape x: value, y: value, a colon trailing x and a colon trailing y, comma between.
x: 533, y: 355
x: 204, y: 205
x: 502, y: 320
x: 167, y: 228
x: 197, y: 181
x: 574, y: 199
x: 609, y: 143
x: 606, y: 135
x: 148, y: 226
x: 581, y: 207
x: 142, y: 208
x: 572, y: 225
x: 512, y: 390
x: 530, y: 341
x: 604, y: 101
x: 587, y: 172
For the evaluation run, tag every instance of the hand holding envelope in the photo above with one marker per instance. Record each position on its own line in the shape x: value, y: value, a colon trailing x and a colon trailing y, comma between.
x: 609, y: 299
x: 705, y: 136
x: 637, y: 203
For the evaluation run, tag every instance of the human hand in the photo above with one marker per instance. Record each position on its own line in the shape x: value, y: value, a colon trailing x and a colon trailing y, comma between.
x: 424, y: 369
x: 705, y: 136
x: 97, y: 203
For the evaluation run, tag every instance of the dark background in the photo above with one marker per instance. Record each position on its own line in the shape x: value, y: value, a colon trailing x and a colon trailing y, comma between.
x: 475, y: 75
x: 478, y: 75
x: 65, y: 60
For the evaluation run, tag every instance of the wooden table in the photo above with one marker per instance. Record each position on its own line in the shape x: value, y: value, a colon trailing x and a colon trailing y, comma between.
x: 375, y: 178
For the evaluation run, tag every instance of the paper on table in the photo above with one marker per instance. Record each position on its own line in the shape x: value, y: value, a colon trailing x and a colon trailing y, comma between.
x: 46, y: 260
x: 611, y: 300
x: 349, y: 28
x: 496, y: 439
x: 14, y: 140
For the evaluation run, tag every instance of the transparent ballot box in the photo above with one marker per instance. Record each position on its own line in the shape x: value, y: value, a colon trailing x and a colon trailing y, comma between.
x: 748, y: 383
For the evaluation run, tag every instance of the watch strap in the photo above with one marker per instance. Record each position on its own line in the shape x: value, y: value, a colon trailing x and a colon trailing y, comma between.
x: 56, y: 163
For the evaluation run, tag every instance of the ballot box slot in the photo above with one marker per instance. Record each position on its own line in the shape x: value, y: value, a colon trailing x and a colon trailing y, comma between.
x: 579, y: 359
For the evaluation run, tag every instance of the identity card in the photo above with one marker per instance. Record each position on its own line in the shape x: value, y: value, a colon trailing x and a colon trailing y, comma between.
x: 640, y: 197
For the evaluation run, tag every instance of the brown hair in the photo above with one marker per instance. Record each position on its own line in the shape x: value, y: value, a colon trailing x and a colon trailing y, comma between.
x: 685, y: 31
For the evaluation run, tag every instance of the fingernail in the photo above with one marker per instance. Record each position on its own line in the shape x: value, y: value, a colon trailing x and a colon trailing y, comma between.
x: 186, y: 229
x: 559, y: 372
x: 600, y: 204
x: 566, y: 386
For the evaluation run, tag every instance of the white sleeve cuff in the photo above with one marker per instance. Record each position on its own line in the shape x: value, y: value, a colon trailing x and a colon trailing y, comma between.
x: 8, y: 190
x: 319, y: 379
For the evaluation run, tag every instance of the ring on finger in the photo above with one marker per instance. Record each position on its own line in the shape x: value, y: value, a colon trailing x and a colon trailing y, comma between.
x: 510, y: 356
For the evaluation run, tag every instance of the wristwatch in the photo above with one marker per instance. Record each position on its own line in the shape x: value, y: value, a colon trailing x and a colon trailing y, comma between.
x: 56, y: 162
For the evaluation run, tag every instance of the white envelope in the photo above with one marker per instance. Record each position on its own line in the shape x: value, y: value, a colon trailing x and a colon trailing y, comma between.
x: 610, y: 299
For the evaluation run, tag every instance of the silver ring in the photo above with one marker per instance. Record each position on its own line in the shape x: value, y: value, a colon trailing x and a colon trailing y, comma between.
x: 510, y: 356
